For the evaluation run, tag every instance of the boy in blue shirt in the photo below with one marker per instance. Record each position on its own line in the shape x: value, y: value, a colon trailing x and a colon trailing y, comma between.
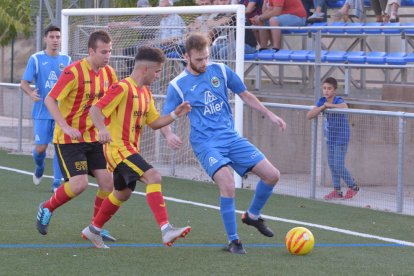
x: 337, y: 132
x: 44, y: 68
x: 214, y: 140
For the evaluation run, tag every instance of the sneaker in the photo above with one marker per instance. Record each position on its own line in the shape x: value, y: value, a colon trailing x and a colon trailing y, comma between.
x: 171, y: 233
x: 43, y: 219
x: 106, y: 236
x: 351, y: 192
x: 235, y: 247
x: 38, y: 175
x: 258, y: 224
x: 316, y: 16
x: 333, y: 195
x: 90, y: 233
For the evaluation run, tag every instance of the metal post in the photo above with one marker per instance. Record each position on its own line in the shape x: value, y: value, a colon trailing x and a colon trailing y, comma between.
x: 314, y: 140
x: 400, y: 176
x: 20, y: 123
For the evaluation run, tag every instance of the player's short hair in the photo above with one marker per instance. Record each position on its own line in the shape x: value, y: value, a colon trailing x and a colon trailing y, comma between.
x: 98, y: 35
x: 332, y: 81
x: 196, y: 41
x: 51, y: 28
x: 150, y: 54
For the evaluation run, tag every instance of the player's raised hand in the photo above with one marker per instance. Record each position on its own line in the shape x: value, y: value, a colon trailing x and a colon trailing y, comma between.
x: 35, y: 95
x: 183, y: 109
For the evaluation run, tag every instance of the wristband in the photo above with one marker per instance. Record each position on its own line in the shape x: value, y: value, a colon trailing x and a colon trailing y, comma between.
x: 173, y: 115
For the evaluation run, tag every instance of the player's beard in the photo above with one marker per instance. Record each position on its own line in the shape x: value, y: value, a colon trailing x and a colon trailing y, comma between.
x: 199, y: 70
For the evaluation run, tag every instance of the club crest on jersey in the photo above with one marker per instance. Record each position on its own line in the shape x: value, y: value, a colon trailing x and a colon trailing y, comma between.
x: 61, y: 67
x: 215, y: 82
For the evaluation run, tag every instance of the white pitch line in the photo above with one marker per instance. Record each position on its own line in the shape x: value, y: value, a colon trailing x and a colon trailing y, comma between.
x: 296, y: 222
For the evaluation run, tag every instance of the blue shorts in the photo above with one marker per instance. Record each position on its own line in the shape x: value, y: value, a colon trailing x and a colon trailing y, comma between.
x: 43, y: 131
x: 241, y: 155
x: 289, y: 20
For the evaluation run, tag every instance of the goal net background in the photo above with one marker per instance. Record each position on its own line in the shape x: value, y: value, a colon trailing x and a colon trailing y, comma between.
x: 135, y: 27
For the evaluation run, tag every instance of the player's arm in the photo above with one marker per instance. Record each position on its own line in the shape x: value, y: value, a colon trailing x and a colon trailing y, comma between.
x: 165, y: 120
x: 251, y: 100
x: 25, y: 86
x: 98, y: 120
x: 53, y: 108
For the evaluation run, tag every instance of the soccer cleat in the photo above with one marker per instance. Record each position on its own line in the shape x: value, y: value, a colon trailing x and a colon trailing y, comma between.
x: 43, y: 219
x: 171, y: 234
x: 106, y: 236
x: 90, y: 233
x: 258, y: 224
x: 235, y: 247
x: 351, y: 192
x: 333, y: 195
x: 38, y: 175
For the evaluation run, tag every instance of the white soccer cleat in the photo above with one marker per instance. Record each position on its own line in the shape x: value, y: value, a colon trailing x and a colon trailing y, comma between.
x: 171, y: 234
x: 37, y: 180
x: 89, y: 233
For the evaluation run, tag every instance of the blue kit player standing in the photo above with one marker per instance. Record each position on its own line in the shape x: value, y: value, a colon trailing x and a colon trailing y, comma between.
x: 214, y: 139
x: 44, y: 68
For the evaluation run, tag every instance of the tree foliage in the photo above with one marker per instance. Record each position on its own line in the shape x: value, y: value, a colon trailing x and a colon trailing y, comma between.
x: 14, y: 19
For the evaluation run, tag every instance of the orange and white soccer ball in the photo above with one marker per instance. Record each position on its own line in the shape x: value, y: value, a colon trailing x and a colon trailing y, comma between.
x: 299, y: 241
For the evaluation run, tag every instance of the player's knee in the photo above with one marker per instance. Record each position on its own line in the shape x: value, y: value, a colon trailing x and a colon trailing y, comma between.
x: 152, y: 176
x: 272, y: 178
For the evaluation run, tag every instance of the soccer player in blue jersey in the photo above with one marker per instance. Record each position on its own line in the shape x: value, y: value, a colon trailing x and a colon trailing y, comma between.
x: 213, y: 137
x: 44, y: 68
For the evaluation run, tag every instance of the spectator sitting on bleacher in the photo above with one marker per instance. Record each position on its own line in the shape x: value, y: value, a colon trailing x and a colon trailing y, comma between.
x: 279, y: 13
x: 343, y: 13
x: 391, y: 10
x: 378, y: 6
x: 386, y: 10
x: 319, y: 10
x: 253, y: 8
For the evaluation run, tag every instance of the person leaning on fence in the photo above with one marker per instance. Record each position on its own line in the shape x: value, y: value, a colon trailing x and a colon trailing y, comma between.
x: 44, y: 68
x: 214, y: 139
x: 279, y: 13
x: 129, y: 106
x: 75, y: 138
x: 337, y: 133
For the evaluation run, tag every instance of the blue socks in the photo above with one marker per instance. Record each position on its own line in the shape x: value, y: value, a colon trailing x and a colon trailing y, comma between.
x: 228, y: 215
x: 262, y: 194
x: 39, y: 160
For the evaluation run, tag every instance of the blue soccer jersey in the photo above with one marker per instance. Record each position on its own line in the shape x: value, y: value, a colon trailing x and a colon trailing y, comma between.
x: 336, y: 126
x: 211, y: 117
x: 44, y: 70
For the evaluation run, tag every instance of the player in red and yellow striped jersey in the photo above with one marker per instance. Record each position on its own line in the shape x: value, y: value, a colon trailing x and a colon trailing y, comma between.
x: 75, y: 137
x: 129, y: 106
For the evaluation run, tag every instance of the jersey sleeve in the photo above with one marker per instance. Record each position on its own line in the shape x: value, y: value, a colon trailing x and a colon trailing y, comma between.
x: 234, y: 83
x: 112, y: 98
x: 66, y: 82
x: 321, y: 102
x: 153, y: 113
x: 30, y: 72
x: 172, y: 101
x: 338, y: 100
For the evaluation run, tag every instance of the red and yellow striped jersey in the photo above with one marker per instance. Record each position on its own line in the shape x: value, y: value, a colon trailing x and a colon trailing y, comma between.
x: 77, y: 89
x: 129, y: 108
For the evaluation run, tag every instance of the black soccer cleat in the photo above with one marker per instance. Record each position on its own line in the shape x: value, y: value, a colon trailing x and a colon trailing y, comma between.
x: 235, y: 247
x: 258, y: 224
